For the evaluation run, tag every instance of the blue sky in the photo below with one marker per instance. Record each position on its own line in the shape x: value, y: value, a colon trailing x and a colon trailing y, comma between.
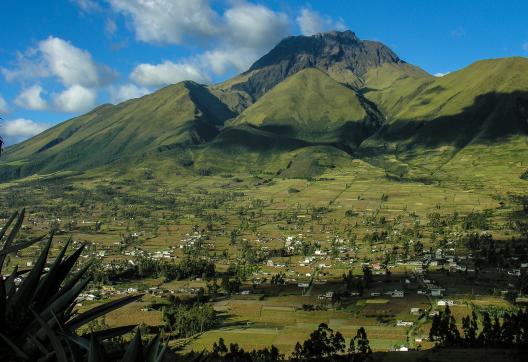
x: 60, y: 58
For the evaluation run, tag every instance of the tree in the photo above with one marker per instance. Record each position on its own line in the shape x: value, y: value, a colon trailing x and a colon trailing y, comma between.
x: 470, y: 328
x: 362, y: 345
x: 323, y: 343
x: 444, y: 329
x: 367, y: 275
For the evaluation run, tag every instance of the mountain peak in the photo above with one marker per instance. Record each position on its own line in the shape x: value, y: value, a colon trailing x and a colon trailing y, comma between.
x: 322, y: 50
x: 341, y: 54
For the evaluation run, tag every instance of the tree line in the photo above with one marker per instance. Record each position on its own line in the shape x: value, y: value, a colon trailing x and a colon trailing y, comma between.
x: 512, y: 331
x: 323, y: 344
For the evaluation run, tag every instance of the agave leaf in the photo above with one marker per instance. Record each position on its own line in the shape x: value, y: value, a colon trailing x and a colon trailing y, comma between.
x: 57, y: 307
x: 12, y: 235
x: 80, y: 341
x: 39, y: 345
x: 98, y: 311
x: 2, y: 300
x: 10, y: 283
x: 58, y: 348
x: 48, y: 357
x: 152, y: 349
x: 134, y: 351
x: 24, y: 295
x: 112, y: 332
x: 14, y: 347
x: 71, y: 282
x: 160, y: 354
x: 50, y: 283
x: 95, y: 353
x: 22, y: 245
x: 75, y: 352
x: 6, y: 226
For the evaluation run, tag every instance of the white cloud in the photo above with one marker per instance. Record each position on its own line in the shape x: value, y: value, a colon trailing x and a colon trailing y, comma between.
x: 88, y: 5
x: 110, y: 26
x: 168, y: 21
x: 31, y: 98
x: 73, y: 66
x: 126, y: 92
x: 153, y: 75
x: 76, y: 99
x: 525, y: 47
x: 27, y: 68
x: 3, y: 106
x: 244, y: 32
x: 55, y: 57
x: 16, y: 130
x: 311, y: 22
x: 255, y: 26
x: 220, y: 61
x: 440, y: 74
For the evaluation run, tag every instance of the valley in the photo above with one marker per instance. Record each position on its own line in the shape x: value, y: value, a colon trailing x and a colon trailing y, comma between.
x: 331, y: 182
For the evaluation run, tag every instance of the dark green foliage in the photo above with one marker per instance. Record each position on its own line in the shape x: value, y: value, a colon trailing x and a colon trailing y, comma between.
x: 234, y: 353
x: 323, y: 343
x: 153, y: 268
x: 444, y: 329
x: 37, y: 317
x: 512, y: 332
x: 186, y: 321
x: 360, y: 345
x: 524, y: 175
x: 477, y: 220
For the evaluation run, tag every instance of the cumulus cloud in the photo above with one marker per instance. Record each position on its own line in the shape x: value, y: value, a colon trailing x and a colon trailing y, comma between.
x: 3, y: 106
x: 26, y: 67
x: 73, y: 66
x: 241, y: 35
x: 31, y: 98
x: 154, y: 75
x: 249, y: 31
x: 88, y: 5
x: 256, y: 26
x: 168, y: 21
x: 126, y: 92
x: 311, y: 22
x: 525, y: 47
x: 17, y: 130
x: 75, y: 99
x: 61, y: 59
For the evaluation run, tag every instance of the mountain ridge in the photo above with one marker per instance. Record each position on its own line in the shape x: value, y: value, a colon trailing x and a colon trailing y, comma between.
x: 379, y: 108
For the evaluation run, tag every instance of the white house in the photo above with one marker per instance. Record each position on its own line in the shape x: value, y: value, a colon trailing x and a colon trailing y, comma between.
x: 445, y: 302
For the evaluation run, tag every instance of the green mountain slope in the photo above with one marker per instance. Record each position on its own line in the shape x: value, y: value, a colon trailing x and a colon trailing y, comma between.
x: 182, y: 114
x: 342, y: 55
x: 485, y: 103
x: 310, y: 106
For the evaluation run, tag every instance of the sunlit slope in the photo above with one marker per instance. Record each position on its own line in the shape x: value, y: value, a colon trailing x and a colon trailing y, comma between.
x: 342, y: 55
x: 182, y: 114
x: 485, y: 103
x: 312, y: 107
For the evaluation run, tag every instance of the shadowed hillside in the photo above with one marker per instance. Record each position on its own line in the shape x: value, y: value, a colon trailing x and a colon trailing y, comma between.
x: 182, y: 114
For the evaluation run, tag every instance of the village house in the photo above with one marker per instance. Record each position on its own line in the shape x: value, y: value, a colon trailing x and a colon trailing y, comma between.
x: 445, y: 302
x: 401, y: 323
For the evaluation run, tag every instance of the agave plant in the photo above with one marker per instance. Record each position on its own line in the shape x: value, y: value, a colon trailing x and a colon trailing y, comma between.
x: 37, y: 317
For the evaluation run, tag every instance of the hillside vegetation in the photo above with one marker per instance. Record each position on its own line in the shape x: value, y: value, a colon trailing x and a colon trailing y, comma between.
x: 333, y: 93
